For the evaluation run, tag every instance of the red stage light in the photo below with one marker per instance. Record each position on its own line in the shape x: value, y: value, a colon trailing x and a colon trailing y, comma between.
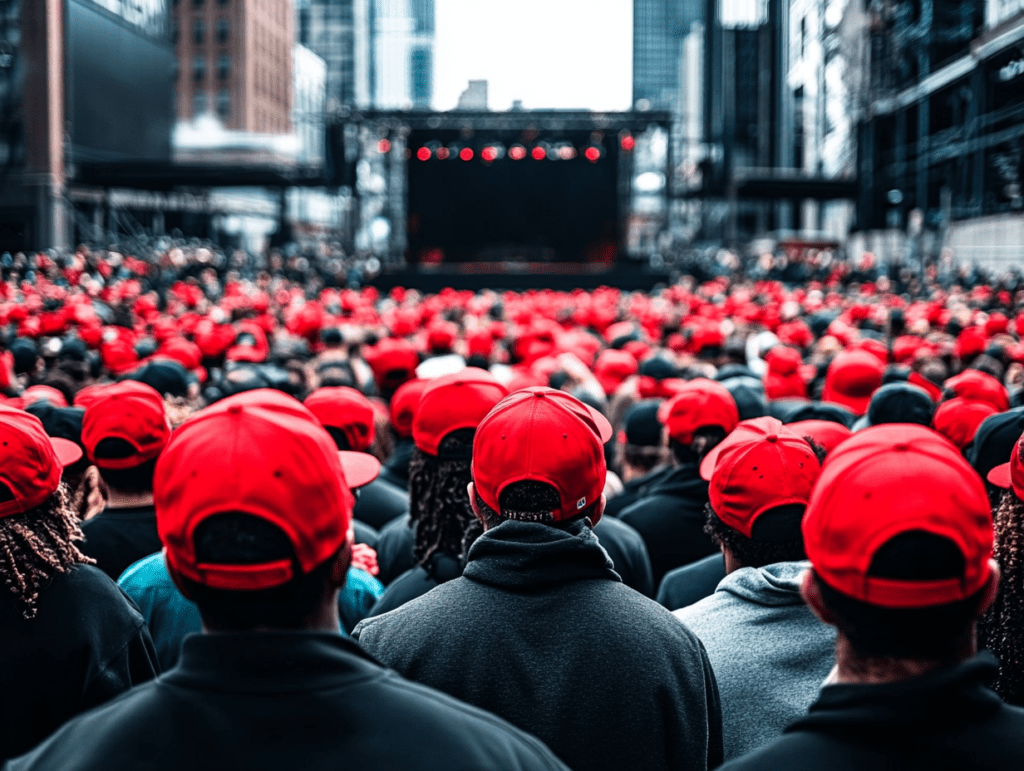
x: 627, y: 142
x: 539, y: 153
x: 442, y: 153
x: 466, y: 153
x: 384, y: 146
x: 489, y: 154
x: 592, y: 154
x: 423, y: 153
x: 517, y: 152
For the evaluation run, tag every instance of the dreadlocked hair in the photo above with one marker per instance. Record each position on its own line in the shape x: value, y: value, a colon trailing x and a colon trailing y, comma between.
x: 37, y: 545
x: 1002, y: 627
x: 438, y: 497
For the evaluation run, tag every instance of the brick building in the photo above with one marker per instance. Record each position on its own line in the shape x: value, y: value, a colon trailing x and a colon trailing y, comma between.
x: 235, y: 61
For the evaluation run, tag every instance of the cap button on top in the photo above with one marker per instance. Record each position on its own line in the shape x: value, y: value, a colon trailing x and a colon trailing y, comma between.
x: 772, y: 438
x: 235, y: 409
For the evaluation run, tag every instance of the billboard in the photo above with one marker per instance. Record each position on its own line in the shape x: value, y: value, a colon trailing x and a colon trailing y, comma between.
x: 119, y: 80
x: 505, y: 195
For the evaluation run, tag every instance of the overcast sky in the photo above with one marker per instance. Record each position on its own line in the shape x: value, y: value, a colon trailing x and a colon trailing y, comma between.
x: 565, y: 54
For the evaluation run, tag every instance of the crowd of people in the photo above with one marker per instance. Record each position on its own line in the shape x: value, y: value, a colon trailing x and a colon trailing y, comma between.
x: 253, y: 518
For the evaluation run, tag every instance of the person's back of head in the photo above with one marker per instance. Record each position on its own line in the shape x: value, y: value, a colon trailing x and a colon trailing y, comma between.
x: 124, y: 430
x: 538, y: 456
x: 443, y: 428
x: 699, y: 417
x: 760, y: 479
x: 899, y: 535
x: 39, y: 527
x: 254, y: 508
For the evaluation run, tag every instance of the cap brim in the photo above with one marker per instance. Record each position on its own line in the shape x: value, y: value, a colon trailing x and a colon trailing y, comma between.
x: 1000, y: 476
x: 359, y: 468
x: 707, y: 466
x: 67, y: 452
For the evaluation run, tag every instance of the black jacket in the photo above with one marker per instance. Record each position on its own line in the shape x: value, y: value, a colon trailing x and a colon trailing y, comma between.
x: 379, y: 502
x: 395, y: 558
x: 396, y: 470
x: 691, y: 583
x: 671, y: 520
x: 87, y: 644
x: 634, y: 490
x: 542, y: 632
x: 284, y: 701
x: 118, y: 538
x: 417, y: 581
x: 942, y: 721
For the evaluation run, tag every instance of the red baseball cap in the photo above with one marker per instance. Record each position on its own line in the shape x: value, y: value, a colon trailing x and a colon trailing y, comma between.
x: 393, y: 361
x: 1010, y: 475
x: 47, y: 393
x: 259, y: 453
x: 404, y: 404
x: 760, y: 465
x: 959, y: 418
x: 30, y: 461
x: 451, y: 402
x: 980, y: 386
x: 851, y: 379
x: 544, y: 435
x: 916, y: 378
x: 698, y: 404
x: 346, y: 409
x: 613, y: 367
x: 885, y: 481
x: 826, y: 433
x: 127, y: 410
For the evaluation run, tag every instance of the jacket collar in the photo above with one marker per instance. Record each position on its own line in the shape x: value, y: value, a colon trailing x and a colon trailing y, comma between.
x: 270, y: 662
x: 948, y: 696
x: 524, y: 556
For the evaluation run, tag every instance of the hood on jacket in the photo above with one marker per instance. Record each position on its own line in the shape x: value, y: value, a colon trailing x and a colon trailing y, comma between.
x: 526, y: 556
x: 772, y: 585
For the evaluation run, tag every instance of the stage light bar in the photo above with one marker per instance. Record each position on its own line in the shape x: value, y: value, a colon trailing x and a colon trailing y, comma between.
x: 627, y: 142
x: 538, y: 153
x: 384, y: 146
x: 443, y: 153
x: 592, y: 153
x: 517, y: 152
x: 424, y: 154
x: 466, y: 154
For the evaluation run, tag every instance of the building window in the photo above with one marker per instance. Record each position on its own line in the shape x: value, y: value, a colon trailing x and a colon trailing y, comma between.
x: 200, y: 105
x: 422, y: 15
x: 197, y: 3
x: 198, y: 31
x: 199, y: 68
x: 223, y: 66
x: 224, y: 104
x: 223, y: 30
x: 420, y: 64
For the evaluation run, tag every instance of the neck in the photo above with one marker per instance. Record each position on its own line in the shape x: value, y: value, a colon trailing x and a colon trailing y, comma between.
x: 121, y: 499
x: 852, y: 668
x: 629, y: 473
x: 324, y: 619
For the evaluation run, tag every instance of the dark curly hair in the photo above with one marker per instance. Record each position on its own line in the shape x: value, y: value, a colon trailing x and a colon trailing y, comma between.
x: 438, y: 497
x: 776, y: 536
x: 37, y: 545
x: 1001, y: 629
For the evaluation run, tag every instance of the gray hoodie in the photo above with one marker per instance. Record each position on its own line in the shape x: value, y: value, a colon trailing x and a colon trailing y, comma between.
x: 770, y: 654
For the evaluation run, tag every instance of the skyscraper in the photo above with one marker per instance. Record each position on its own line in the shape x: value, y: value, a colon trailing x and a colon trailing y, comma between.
x: 235, y: 61
x: 659, y: 27
x: 400, y: 54
x: 327, y: 27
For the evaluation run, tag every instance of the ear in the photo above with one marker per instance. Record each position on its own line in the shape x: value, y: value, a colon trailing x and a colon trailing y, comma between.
x: 599, y: 510
x: 342, y: 560
x: 471, y: 489
x: 991, y: 588
x: 812, y: 596
x: 175, y: 577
